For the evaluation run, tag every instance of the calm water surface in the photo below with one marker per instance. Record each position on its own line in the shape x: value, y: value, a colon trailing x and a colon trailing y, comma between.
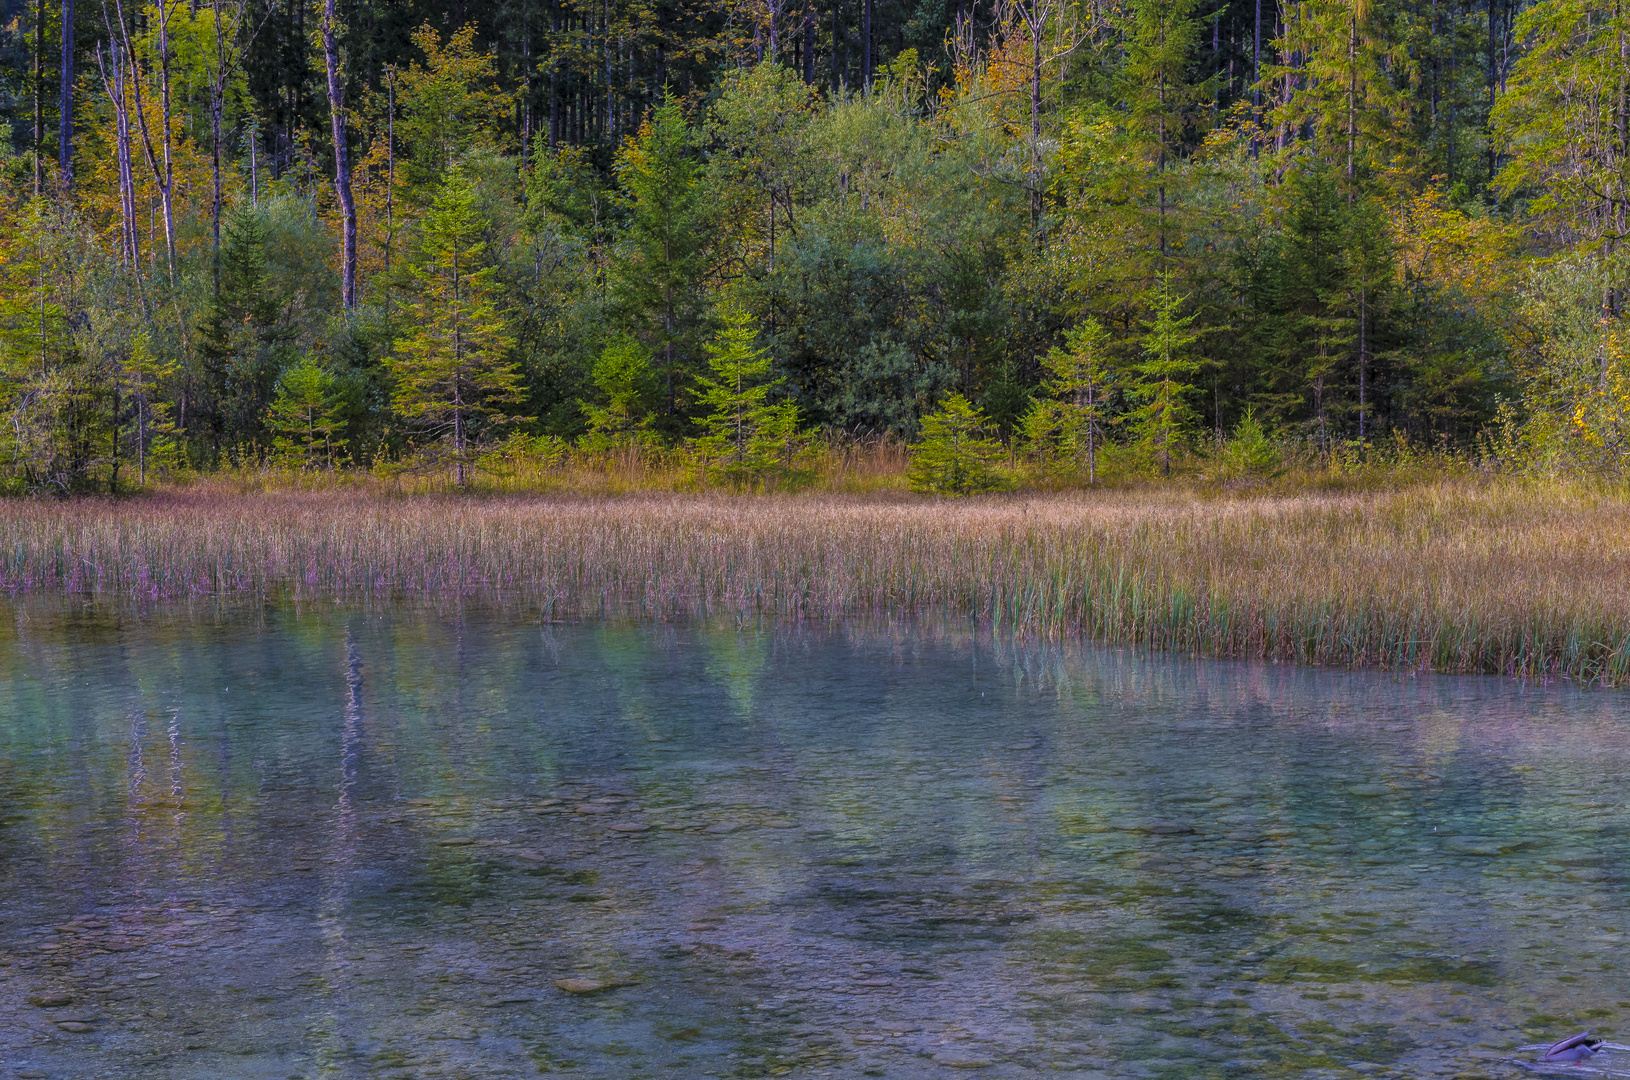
x: 370, y: 843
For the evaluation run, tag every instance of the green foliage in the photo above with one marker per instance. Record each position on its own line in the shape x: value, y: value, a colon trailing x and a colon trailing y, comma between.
x: 656, y: 273
x: 245, y: 337
x: 955, y: 456
x: 1067, y: 427
x: 141, y: 417
x: 1249, y: 452
x: 623, y: 377
x: 453, y: 376
x: 1163, y: 417
x: 1563, y: 120
x: 746, y: 438
x: 938, y: 222
x: 306, y: 417
x: 451, y: 106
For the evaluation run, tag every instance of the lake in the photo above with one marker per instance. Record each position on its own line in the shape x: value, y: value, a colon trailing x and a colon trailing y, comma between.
x: 425, y: 842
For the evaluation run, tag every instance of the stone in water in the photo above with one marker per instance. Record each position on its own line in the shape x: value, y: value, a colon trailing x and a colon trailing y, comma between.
x: 584, y: 986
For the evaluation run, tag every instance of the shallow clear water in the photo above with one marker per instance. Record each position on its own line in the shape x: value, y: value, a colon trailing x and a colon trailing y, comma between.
x: 345, y: 843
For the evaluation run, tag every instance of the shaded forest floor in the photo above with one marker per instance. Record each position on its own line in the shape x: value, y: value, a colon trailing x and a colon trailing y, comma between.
x: 1455, y: 574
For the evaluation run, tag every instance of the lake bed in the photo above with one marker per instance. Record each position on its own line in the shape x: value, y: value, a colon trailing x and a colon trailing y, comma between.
x: 278, y: 842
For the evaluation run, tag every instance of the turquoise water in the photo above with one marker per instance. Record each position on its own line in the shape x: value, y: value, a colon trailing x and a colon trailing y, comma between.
x: 339, y: 843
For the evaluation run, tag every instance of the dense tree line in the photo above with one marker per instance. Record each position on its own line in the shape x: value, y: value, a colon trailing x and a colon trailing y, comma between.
x: 1116, y: 234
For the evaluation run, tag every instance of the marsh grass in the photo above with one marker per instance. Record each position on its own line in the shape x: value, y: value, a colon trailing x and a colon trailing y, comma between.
x: 1452, y: 576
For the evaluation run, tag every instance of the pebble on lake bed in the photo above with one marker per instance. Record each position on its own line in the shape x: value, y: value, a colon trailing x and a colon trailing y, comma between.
x: 75, y: 1027
x: 49, y: 1000
x: 960, y: 1061
x: 585, y: 986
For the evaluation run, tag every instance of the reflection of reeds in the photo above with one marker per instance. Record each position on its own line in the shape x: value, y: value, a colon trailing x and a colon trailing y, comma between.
x: 1453, y: 578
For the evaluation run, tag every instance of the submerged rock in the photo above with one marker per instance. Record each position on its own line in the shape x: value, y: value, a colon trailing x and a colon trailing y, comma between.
x: 1154, y: 828
x: 584, y: 987
x: 961, y: 1061
x: 1486, y: 846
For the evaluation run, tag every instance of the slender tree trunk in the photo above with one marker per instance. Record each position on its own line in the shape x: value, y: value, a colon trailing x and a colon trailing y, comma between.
x: 1363, y: 362
x: 65, y: 101
x: 217, y: 109
x: 1256, y: 76
x: 39, y: 93
x: 1352, y: 98
x: 342, y: 161
x: 163, y: 173
x: 390, y: 167
x: 1493, y: 29
x: 1037, y: 24
x: 866, y: 45
x: 809, y: 42
x: 115, y: 87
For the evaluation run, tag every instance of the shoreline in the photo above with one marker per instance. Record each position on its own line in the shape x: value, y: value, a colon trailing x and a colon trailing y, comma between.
x: 1498, y: 579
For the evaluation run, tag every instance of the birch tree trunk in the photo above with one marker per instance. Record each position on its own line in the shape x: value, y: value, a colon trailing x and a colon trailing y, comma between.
x: 121, y: 119
x: 65, y: 100
x: 342, y: 162
x: 163, y: 173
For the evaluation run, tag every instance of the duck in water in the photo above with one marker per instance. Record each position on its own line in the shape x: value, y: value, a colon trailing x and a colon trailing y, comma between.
x: 1572, y: 1050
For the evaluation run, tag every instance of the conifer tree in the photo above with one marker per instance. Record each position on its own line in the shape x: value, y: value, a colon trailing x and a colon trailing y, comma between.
x: 145, y: 419
x: 956, y: 456
x: 1565, y: 122
x: 621, y: 375
x: 655, y: 277
x: 1163, y: 417
x: 744, y: 434
x: 1070, y: 421
x: 306, y: 419
x: 243, y: 340
x: 451, y: 371
x: 1159, y: 86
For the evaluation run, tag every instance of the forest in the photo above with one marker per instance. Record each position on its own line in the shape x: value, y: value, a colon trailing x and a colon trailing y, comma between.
x: 1034, y: 241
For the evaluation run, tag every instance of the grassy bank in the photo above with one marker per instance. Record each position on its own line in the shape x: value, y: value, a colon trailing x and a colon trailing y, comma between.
x: 1452, y: 576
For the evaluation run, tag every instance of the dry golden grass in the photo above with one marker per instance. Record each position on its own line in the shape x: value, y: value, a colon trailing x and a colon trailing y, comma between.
x: 1451, y: 576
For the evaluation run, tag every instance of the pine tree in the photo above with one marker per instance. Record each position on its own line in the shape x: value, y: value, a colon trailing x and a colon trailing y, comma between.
x: 1339, y: 88
x: 1565, y: 121
x: 1161, y: 92
x: 147, y: 415
x: 244, y: 339
x: 306, y: 419
x: 1164, y: 416
x: 450, y: 371
x: 621, y: 375
x: 734, y: 445
x: 777, y: 444
x: 1069, y: 423
x: 955, y: 456
x: 655, y: 276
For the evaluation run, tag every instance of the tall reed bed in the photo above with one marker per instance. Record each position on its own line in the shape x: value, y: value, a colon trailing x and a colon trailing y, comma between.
x: 1449, y: 577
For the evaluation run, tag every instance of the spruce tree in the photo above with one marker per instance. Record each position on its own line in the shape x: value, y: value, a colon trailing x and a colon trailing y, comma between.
x: 621, y: 374
x: 655, y: 275
x: 955, y: 456
x: 306, y: 419
x: 1164, y: 416
x: 744, y: 435
x: 451, y: 371
x: 1069, y: 422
